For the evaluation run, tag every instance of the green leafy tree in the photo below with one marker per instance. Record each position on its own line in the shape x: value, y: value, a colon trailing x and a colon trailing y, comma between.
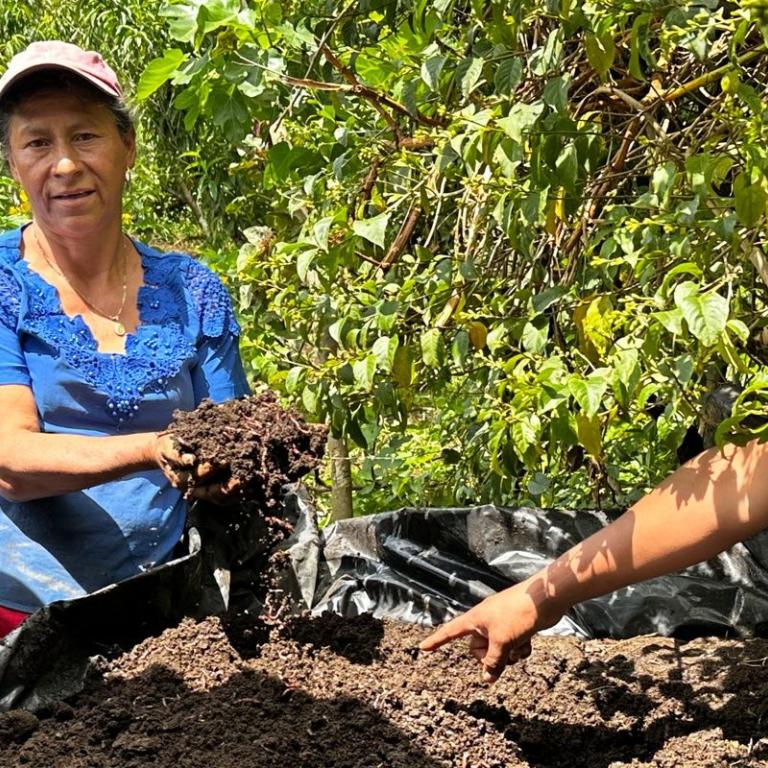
x: 502, y: 248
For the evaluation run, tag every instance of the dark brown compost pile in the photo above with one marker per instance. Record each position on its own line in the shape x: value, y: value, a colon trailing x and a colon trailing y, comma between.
x: 333, y: 693
x: 254, y: 441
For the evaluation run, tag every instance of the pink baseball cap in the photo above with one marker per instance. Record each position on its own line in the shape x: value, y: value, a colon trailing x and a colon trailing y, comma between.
x: 56, y: 54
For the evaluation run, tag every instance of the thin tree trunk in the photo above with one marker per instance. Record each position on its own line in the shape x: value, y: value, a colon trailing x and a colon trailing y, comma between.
x: 341, y: 479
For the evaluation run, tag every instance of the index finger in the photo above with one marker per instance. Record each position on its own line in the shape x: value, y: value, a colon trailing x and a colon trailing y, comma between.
x: 453, y: 630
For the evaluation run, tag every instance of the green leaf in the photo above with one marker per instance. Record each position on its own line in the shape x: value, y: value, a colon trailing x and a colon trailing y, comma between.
x: 293, y: 379
x: 320, y: 232
x: 521, y: 118
x: 671, y: 320
x: 538, y: 484
x: 588, y: 431
x: 625, y: 375
x: 309, y: 399
x: 601, y: 52
x: 430, y: 71
x: 639, y: 45
x: 750, y: 200
x: 401, y: 367
x: 496, y: 338
x: 523, y: 436
x: 664, y: 177
x: 432, y: 348
x: 460, y: 348
x: 705, y: 313
x: 568, y: 167
x: 544, y: 300
x: 384, y: 350
x: 182, y: 19
x: 364, y: 372
x: 469, y: 73
x: 555, y: 93
x: 374, y: 229
x: 304, y: 262
x: 508, y: 75
x: 218, y: 13
x: 535, y: 335
x: 353, y: 430
x: 547, y: 57
x: 158, y: 72
x: 588, y: 392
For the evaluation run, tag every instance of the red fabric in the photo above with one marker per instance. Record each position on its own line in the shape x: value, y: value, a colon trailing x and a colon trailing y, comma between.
x: 9, y: 620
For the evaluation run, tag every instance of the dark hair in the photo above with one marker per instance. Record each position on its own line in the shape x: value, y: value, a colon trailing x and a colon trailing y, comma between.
x: 59, y: 81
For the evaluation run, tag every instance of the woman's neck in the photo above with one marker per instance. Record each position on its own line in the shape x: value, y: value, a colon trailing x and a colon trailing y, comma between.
x: 94, y: 260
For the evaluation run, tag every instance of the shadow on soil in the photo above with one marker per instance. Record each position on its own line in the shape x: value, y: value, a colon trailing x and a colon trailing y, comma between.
x: 547, y: 744
x: 251, y: 720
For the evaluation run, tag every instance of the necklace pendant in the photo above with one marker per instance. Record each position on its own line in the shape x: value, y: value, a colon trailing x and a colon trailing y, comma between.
x: 119, y: 328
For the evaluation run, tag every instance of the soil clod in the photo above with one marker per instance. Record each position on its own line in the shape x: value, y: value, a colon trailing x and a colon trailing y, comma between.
x: 252, y: 441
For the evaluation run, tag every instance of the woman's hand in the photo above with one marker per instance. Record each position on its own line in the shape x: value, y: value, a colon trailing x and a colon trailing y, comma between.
x: 195, y: 479
x: 500, y: 628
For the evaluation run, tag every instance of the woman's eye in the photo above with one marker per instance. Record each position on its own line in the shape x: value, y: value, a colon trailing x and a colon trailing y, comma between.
x: 85, y: 136
x: 35, y: 143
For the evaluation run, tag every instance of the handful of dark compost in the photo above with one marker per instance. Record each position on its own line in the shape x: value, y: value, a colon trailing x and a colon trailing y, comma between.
x: 252, y: 443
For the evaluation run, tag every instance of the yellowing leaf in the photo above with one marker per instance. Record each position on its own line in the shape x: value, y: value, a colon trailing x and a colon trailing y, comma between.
x: 588, y: 431
x: 401, y: 367
x: 478, y: 334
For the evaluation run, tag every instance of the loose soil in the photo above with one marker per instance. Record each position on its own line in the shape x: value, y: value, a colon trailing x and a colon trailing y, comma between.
x: 355, y: 693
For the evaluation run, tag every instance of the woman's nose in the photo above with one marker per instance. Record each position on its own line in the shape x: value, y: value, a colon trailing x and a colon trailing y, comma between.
x: 64, y: 166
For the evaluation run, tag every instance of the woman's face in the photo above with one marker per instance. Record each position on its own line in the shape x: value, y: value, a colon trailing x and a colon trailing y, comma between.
x: 69, y: 157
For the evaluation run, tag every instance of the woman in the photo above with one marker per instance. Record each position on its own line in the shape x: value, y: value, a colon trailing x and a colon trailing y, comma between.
x: 101, y: 339
x: 706, y: 506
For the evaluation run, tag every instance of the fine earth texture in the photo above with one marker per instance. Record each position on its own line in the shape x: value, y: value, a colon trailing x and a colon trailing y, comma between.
x: 334, y: 692
x: 253, y: 441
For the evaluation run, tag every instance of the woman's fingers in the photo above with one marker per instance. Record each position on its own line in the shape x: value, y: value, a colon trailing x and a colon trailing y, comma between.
x: 218, y: 493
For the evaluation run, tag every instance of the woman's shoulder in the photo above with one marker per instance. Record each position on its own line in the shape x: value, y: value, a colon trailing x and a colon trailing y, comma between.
x: 204, y: 288
x: 10, y: 245
x: 10, y: 283
x: 178, y: 263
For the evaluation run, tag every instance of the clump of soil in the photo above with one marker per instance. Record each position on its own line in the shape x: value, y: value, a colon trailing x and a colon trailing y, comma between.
x: 355, y: 693
x: 252, y: 441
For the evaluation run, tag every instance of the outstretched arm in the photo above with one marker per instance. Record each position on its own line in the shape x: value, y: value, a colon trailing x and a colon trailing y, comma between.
x: 35, y: 465
x: 704, y: 507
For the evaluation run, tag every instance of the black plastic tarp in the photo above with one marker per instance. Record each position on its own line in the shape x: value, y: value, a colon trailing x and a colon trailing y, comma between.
x: 416, y: 565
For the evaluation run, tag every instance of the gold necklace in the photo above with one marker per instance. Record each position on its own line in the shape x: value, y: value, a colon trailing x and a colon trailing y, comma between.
x: 118, y: 327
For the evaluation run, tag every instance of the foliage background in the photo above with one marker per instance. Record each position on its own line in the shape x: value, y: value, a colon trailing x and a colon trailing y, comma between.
x: 502, y: 248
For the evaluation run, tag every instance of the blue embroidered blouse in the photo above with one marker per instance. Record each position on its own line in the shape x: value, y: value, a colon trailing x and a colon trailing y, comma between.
x: 185, y: 349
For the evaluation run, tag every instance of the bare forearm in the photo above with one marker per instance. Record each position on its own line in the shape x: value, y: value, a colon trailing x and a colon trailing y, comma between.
x: 703, y: 508
x: 36, y: 465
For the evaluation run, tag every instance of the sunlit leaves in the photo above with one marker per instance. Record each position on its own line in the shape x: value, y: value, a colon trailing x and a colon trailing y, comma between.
x: 566, y: 292
x: 706, y: 314
x: 508, y: 73
x: 432, y: 348
x: 751, y: 200
x: 601, y: 51
x: 374, y: 230
x: 158, y: 72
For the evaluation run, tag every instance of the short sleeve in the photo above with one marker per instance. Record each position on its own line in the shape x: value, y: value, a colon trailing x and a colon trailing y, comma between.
x: 13, y: 366
x: 211, y: 300
x: 219, y: 373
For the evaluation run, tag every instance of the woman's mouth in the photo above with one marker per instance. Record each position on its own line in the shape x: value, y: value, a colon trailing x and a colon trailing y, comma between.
x: 77, y: 195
